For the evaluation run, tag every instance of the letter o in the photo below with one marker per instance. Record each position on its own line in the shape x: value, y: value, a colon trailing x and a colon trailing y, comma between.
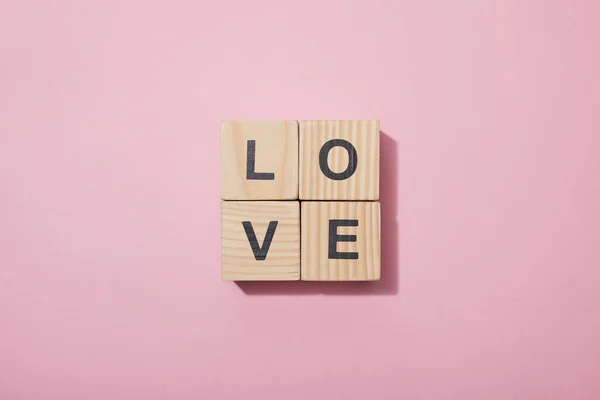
x: 352, y: 159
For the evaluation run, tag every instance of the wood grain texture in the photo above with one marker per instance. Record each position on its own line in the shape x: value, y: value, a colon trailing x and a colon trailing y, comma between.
x: 276, y: 151
x: 238, y: 262
x: 315, y: 262
x: 363, y: 184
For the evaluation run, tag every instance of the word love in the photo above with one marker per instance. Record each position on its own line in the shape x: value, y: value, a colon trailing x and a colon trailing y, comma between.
x: 300, y: 200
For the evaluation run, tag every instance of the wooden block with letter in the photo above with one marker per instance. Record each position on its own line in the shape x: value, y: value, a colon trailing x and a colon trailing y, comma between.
x: 340, y: 241
x: 259, y: 160
x: 260, y: 240
x: 339, y: 160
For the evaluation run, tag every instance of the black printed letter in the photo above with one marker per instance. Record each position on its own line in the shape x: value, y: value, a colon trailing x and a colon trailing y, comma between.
x: 334, y: 238
x: 251, y: 162
x: 352, y: 159
x: 260, y: 253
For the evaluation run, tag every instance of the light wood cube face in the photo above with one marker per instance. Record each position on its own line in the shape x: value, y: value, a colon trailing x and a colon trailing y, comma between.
x: 340, y: 241
x: 260, y: 240
x: 339, y: 160
x: 259, y: 160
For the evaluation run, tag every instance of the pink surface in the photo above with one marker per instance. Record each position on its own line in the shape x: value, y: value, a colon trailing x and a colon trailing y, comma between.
x: 109, y: 200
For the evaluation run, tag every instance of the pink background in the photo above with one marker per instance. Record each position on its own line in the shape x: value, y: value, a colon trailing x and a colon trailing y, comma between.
x: 109, y: 199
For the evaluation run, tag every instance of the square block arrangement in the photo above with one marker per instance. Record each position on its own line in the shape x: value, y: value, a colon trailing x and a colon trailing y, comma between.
x: 299, y: 200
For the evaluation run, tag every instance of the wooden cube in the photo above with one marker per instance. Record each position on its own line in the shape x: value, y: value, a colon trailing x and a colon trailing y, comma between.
x: 260, y: 240
x: 340, y: 241
x: 339, y: 160
x: 259, y: 160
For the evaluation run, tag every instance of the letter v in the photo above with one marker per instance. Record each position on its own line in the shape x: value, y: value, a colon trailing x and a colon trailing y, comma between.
x: 260, y: 253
